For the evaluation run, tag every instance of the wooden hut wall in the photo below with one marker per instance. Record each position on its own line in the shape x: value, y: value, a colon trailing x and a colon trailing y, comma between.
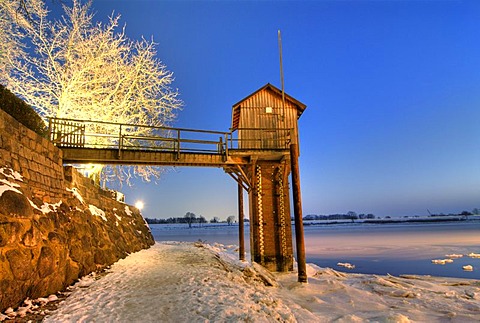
x: 253, y: 114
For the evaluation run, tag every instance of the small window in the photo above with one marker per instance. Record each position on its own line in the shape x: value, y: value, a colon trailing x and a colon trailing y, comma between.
x: 268, y: 110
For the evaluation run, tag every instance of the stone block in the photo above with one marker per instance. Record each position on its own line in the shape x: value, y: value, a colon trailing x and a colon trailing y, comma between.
x: 32, y: 135
x: 31, y: 238
x: 23, y: 162
x: 47, y: 264
x: 20, y: 263
x: 15, y: 204
x: 16, y: 164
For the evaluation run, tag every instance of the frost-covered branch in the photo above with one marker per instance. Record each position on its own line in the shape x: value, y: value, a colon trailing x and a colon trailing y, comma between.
x: 80, y: 69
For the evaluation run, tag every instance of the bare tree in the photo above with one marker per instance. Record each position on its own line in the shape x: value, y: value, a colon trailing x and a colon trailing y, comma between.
x: 12, y: 13
x: 84, y: 70
x: 190, y: 218
x: 230, y: 220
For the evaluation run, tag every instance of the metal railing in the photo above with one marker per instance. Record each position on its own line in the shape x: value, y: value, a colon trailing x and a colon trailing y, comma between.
x: 75, y: 133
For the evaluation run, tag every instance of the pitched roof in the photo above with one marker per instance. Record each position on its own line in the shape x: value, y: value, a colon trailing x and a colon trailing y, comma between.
x: 236, y: 107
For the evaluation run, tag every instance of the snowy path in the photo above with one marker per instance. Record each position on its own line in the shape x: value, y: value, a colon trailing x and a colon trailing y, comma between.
x: 185, y: 282
x: 172, y: 283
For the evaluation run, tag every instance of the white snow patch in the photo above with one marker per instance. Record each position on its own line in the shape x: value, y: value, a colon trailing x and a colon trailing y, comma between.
x: 8, y: 187
x: 96, y: 211
x: 468, y: 268
x: 128, y: 211
x: 11, y: 174
x: 146, y: 223
x: 474, y: 255
x: 76, y: 194
x: 139, y: 232
x: 29, y: 306
x: 46, y: 207
x: 7, y: 182
x: 85, y: 281
x: 185, y: 282
x: 119, y: 218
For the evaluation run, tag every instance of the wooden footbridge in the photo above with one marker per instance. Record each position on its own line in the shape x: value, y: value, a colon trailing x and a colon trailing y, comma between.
x: 100, y: 142
x: 259, y: 152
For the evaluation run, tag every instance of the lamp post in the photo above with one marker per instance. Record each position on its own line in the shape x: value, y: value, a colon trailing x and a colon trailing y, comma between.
x: 139, y: 205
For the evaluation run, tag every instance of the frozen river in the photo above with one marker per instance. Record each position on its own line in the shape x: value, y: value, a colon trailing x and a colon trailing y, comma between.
x: 401, y: 248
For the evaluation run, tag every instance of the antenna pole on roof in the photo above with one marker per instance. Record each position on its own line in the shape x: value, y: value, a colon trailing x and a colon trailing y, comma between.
x: 281, y: 73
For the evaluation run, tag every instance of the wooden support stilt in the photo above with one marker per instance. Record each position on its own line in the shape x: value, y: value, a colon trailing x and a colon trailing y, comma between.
x: 241, y: 230
x: 297, y: 209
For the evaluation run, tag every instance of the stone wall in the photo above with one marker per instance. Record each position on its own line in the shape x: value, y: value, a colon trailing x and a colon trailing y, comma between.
x: 55, y: 225
x: 35, y: 157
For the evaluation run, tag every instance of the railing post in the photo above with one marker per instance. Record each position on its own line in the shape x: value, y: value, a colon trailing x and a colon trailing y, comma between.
x: 178, y: 144
x: 120, y: 142
x: 226, y: 145
x: 50, y: 137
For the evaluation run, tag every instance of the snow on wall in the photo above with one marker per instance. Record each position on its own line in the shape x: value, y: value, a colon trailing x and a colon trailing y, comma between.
x: 33, y: 159
x: 55, y: 225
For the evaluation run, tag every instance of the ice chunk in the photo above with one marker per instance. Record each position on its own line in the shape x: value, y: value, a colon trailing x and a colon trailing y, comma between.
x: 441, y: 261
x: 346, y: 265
x: 52, y: 298
x: 454, y: 255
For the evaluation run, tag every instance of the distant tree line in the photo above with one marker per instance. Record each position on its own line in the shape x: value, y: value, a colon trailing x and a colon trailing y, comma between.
x: 354, y: 216
x: 475, y: 211
x: 190, y: 218
x: 348, y: 216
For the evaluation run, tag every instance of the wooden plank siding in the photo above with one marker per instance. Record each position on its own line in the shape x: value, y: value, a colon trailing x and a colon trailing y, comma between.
x: 263, y: 122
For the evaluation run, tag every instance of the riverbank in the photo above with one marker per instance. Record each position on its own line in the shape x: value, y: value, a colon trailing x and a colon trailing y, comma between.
x: 196, y: 282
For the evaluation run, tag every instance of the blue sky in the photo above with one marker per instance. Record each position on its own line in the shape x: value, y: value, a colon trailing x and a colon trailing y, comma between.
x: 392, y: 90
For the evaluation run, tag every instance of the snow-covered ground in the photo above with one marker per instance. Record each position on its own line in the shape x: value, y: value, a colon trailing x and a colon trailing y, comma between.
x: 194, y: 282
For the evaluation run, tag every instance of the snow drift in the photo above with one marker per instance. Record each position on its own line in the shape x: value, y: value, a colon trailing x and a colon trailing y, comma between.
x: 194, y: 282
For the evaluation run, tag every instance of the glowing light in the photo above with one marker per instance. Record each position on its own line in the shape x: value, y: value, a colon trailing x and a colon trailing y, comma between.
x: 139, y: 205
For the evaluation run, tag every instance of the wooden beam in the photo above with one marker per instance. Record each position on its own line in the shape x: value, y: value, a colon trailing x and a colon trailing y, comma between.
x: 239, y: 181
x: 244, y: 176
x: 241, y: 230
x: 297, y: 209
x: 147, y: 157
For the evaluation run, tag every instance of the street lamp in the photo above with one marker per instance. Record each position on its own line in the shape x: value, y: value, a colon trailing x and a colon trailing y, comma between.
x: 139, y: 205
